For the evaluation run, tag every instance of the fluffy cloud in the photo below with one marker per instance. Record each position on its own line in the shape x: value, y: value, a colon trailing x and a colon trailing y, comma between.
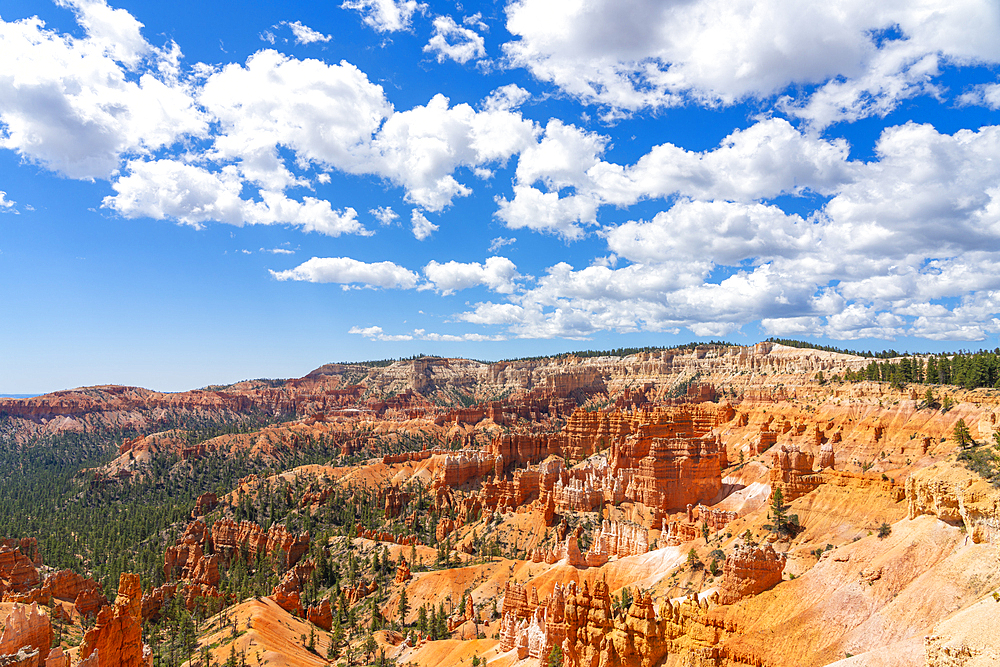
x: 422, y: 147
x: 77, y: 105
x: 192, y: 195
x: 306, y: 35
x: 727, y: 233
x: 906, y: 244
x: 6, y: 205
x: 421, y: 226
x: 385, y: 15
x: 384, y: 214
x: 986, y: 95
x: 347, y: 271
x: 506, y: 98
x: 767, y: 159
x: 451, y: 40
x: 325, y: 113
x: 498, y: 273
x: 642, y: 53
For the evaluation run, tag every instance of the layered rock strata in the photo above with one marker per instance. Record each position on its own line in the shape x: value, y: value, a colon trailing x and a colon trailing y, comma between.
x: 117, y: 634
x: 750, y: 569
x: 26, y: 628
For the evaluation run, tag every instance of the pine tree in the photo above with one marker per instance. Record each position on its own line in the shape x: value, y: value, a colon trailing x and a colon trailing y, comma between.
x: 422, y: 620
x: 404, y: 608
x: 962, y: 436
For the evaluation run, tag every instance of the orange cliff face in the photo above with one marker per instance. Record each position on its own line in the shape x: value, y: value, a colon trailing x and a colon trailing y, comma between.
x: 26, y: 630
x: 85, y: 594
x: 116, y: 637
x: 17, y: 572
x: 750, y: 570
x: 276, y: 542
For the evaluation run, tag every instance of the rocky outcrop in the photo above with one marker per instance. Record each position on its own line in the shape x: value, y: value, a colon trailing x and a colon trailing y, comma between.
x: 670, y: 472
x: 362, y: 590
x: 187, y: 559
x: 395, y: 501
x: 446, y: 526
x: 792, y: 472
x: 750, y: 569
x: 956, y: 496
x: 616, y: 540
x: 57, y: 658
x: 277, y: 543
x: 287, y: 593
x: 17, y: 572
x: 85, y: 594
x: 403, y: 572
x: 205, y: 503
x: 26, y: 628
x: 321, y: 615
x: 195, y: 596
x: 457, y: 469
x: 826, y: 456
x: 117, y: 634
x: 383, y: 536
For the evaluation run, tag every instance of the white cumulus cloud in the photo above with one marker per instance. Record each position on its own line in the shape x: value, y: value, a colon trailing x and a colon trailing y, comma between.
x: 385, y: 15
x: 306, y: 35
x: 497, y: 273
x: 77, y: 105
x: 636, y: 54
x: 451, y: 40
x: 347, y: 271
x: 421, y: 226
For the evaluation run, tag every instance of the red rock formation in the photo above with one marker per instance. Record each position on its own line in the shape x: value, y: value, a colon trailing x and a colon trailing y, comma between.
x: 826, y: 457
x: 195, y: 596
x: 765, y: 441
x: 403, y: 572
x: 27, y: 545
x: 515, y: 601
x: 57, y: 658
x: 85, y: 594
x: 229, y: 537
x: 287, y: 593
x: 205, y: 503
x: 383, y: 536
x: 616, y: 539
x: 792, y: 472
x: 671, y: 472
x: 749, y: 570
x: 715, y: 518
x: 17, y: 571
x: 321, y: 614
x: 395, y: 501
x: 675, y: 533
x: 117, y: 634
x: 187, y: 560
x: 445, y: 527
x: 28, y: 628
x: 361, y: 590
x: 458, y: 468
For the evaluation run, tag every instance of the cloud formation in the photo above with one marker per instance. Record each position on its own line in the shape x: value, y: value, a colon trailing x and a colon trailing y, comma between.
x: 347, y: 271
x: 864, y: 57
x: 451, y: 40
x: 385, y: 15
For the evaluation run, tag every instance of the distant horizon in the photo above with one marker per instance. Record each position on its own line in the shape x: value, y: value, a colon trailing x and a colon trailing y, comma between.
x: 191, y: 194
x: 860, y: 351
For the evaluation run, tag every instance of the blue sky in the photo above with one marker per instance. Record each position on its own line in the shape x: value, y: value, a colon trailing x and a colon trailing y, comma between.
x: 197, y: 193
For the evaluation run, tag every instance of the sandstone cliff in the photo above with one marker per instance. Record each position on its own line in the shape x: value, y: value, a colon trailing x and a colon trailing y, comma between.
x: 117, y: 634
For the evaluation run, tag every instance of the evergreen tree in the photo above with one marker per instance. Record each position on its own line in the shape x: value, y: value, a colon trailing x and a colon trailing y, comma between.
x: 961, y: 435
x: 404, y: 608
